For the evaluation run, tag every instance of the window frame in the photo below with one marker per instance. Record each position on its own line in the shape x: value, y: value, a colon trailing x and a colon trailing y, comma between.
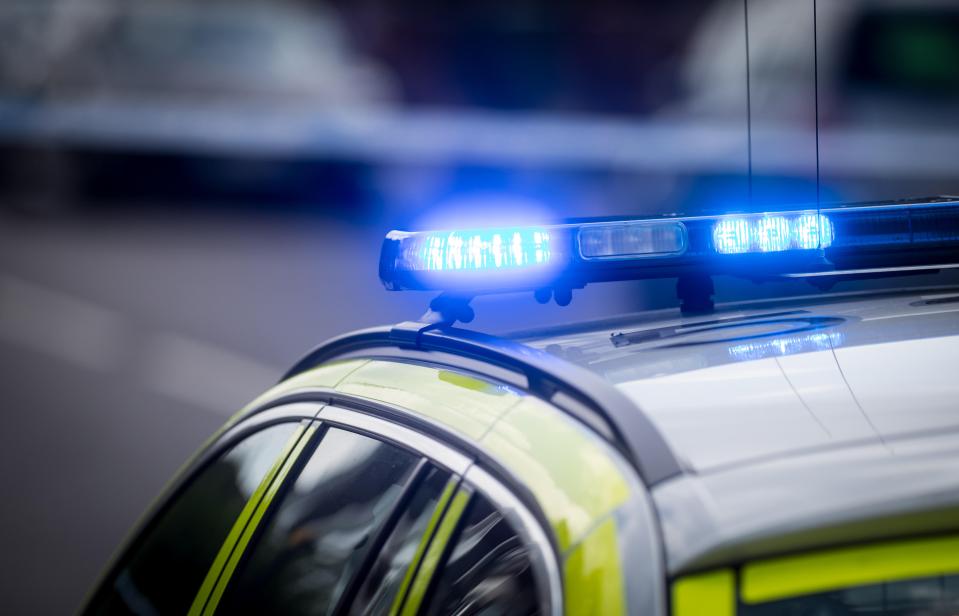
x: 471, y: 478
x: 247, y: 525
x: 232, y: 434
x: 334, y: 412
x: 320, y: 409
x: 296, y: 464
x: 478, y: 482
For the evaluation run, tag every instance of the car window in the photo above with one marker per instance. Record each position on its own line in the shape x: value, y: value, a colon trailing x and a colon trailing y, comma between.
x: 927, y: 596
x: 488, y: 571
x: 320, y: 534
x: 187, y: 535
x: 391, y: 571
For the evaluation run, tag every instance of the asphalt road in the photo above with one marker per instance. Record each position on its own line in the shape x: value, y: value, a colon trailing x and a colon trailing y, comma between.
x: 127, y: 339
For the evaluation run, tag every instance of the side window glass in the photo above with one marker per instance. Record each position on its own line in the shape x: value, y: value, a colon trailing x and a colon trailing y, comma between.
x: 186, y: 537
x: 321, y: 531
x: 391, y: 572
x: 488, y: 570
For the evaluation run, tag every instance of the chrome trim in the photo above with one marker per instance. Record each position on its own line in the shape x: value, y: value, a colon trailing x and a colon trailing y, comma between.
x: 449, y: 458
x: 875, y: 270
x: 546, y: 566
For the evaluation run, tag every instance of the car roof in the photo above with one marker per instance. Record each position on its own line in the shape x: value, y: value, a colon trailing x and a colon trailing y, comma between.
x: 758, y: 429
x: 799, y: 422
x: 759, y: 380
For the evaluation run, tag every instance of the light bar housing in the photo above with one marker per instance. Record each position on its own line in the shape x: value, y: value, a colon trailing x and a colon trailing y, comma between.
x: 754, y: 245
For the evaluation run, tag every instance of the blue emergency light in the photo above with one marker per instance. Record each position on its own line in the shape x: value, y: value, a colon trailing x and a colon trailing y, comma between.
x: 567, y: 256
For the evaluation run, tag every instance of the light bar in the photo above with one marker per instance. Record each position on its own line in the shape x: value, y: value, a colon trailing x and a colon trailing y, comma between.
x: 770, y: 244
x: 483, y: 249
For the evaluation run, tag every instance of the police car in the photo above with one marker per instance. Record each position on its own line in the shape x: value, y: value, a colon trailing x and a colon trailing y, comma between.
x: 795, y: 456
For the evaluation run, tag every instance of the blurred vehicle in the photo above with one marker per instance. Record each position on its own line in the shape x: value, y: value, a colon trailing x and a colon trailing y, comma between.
x: 880, y: 62
x: 134, y: 51
x: 340, y: 104
x: 89, y: 85
x: 859, y: 98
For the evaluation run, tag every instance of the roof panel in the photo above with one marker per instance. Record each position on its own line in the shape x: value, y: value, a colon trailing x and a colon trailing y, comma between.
x: 757, y: 381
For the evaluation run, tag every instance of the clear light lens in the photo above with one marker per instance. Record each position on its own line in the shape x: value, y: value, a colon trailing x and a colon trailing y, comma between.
x: 772, y: 234
x: 486, y: 249
x: 813, y: 231
x: 632, y: 240
x: 731, y: 235
x: 764, y: 233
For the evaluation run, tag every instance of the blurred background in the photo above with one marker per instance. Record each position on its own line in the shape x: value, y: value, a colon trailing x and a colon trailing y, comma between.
x: 193, y: 193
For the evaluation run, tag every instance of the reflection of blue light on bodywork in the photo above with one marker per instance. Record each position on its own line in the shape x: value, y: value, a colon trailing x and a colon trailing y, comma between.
x: 480, y: 250
x: 787, y: 345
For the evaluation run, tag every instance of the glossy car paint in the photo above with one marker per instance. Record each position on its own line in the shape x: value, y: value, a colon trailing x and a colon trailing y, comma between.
x: 794, y: 436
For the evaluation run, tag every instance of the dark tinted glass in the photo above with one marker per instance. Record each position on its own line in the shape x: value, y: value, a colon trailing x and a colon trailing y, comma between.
x: 379, y: 591
x: 321, y: 531
x: 488, y: 571
x: 163, y: 571
x: 933, y: 596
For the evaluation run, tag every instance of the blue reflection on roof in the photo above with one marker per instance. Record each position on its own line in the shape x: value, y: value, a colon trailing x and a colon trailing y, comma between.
x: 787, y: 345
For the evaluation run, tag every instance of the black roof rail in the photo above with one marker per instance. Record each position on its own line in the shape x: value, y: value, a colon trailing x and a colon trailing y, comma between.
x: 575, y: 390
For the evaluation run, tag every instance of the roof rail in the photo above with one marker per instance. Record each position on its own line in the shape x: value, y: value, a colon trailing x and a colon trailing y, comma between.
x: 575, y: 390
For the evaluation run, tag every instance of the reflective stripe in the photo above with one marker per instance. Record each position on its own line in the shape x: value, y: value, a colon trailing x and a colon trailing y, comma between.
x: 434, y: 552
x: 232, y: 549
x: 705, y: 594
x: 424, y: 541
x: 594, y: 577
x: 792, y: 576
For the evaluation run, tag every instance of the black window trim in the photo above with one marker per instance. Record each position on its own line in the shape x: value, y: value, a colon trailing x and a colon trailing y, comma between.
x: 337, y: 413
x: 447, y: 448
x: 236, y: 431
x: 379, y: 537
x: 546, y: 567
x: 510, y: 501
